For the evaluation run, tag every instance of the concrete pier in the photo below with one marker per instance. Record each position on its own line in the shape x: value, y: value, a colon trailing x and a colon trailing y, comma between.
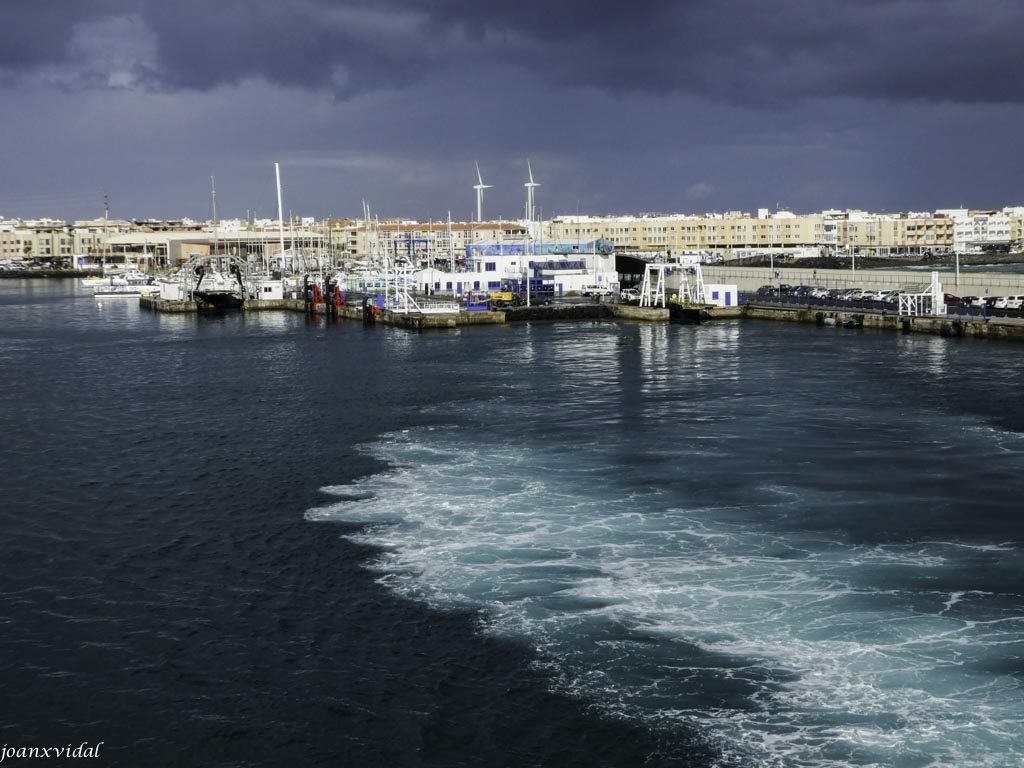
x: 1011, y: 329
x: 961, y: 284
x: 951, y: 325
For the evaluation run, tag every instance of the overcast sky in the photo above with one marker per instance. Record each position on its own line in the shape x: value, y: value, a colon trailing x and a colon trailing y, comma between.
x: 682, y: 106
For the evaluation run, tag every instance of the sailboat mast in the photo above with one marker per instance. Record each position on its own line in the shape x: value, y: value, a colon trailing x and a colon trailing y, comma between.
x: 451, y: 245
x: 280, y: 212
x: 213, y: 192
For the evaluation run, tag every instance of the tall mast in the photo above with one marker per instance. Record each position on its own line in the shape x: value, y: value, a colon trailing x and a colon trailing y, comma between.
x: 106, y: 221
x: 213, y: 191
x: 451, y: 245
x: 280, y: 212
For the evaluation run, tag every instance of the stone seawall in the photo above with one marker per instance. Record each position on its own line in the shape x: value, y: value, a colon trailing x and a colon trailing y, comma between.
x: 994, y: 328
x: 965, y: 284
x: 891, y: 321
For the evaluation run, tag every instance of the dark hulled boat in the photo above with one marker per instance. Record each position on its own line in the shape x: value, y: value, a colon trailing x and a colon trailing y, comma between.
x: 689, y: 314
x: 220, y: 298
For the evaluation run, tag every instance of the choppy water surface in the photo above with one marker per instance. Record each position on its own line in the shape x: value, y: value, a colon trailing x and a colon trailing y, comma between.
x: 800, y: 544
x: 805, y: 542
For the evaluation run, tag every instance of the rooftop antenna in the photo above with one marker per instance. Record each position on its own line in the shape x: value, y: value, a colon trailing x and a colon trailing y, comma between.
x: 480, y: 187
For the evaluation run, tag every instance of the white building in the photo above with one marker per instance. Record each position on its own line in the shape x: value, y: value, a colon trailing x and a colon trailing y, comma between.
x: 976, y: 230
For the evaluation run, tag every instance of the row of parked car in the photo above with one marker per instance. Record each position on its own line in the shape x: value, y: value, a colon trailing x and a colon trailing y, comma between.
x: 887, y: 296
x: 994, y: 302
x: 839, y: 294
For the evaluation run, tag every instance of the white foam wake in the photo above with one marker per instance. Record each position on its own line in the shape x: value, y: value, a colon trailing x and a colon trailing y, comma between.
x: 781, y: 646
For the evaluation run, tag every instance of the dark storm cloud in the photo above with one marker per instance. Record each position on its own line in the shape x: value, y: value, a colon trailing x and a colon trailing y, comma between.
x: 34, y: 33
x: 747, y: 52
x: 741, y: 52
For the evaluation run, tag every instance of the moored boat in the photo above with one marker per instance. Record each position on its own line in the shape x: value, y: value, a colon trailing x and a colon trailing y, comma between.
x: 218, y: 299
x: 105, y: 291
x: 688, y: 314
x: 113, y: 280
x: 229, y: 294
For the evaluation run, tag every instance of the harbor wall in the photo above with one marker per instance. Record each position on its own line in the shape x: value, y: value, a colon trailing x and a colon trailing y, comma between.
x: 952, y: 326
x: 166, y: 305
x: 965, y: 284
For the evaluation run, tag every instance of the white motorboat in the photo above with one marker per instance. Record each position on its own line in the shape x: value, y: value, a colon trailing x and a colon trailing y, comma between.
x: 132, y: 277
x: 104, y: 291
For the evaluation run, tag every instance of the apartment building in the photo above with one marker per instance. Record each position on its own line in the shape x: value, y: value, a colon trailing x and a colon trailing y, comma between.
x: 975, y: 231
x: 733, y: 233
x: 418, y: 240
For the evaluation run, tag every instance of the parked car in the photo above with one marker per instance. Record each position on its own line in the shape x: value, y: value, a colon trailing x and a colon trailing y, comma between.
x: 629, y: 294
x: 596, y: 290
x: 1010, y: 302
x: 950, y: 300
x: 968, y: 301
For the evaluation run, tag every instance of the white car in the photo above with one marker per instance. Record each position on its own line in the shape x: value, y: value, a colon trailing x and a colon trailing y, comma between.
x: 629, y: 294
x: 596, y: 290
x: 1009, y: 302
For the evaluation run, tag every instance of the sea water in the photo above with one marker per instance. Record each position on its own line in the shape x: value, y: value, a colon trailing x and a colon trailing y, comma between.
x: 805, y: 541
x: 256, y: 538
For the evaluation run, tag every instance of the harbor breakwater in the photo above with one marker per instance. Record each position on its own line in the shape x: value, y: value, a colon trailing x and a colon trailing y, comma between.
x: 423, y: 321
x: 1011, y: 329
x: 960, y: 283
x: 952, y: 325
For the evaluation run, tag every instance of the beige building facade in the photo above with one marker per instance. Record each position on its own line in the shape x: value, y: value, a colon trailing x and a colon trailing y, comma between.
x: 733, y: 234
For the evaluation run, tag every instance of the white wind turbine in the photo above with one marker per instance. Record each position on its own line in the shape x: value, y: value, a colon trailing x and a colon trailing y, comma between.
x: 530, y: 185
x: 480, y: 187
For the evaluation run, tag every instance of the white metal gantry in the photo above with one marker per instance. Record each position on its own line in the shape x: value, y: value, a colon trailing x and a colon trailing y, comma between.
x: 692, y: 294
x: 930, y: 301
x: 652, y: 289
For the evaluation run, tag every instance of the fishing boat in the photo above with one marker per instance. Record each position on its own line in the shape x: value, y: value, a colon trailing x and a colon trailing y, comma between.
x: 224, y: 293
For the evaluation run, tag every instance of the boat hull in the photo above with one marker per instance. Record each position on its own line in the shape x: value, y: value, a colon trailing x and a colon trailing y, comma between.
x: 677, y: 313
x: 126, y: 291
x: 219, y: 300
